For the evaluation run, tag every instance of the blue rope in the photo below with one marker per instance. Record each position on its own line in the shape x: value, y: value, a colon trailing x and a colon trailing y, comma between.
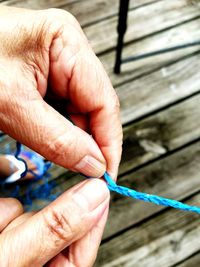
x: 46, y: 166
x: 17, y: 153
x: 147, y: 197
x: 124, y: 190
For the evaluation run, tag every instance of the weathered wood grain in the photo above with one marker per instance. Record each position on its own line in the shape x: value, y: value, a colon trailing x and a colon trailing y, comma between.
x: 189, y: 31
x: 146, y: 20
x: 160, y: 133
x: 38, y: 4
x: 194, y: 261
x: 143, y: 22
x: 176, y: 176
x: 159, y: 89
x: 162, y: 241
x: 99, y: 9
x: 87, y: 11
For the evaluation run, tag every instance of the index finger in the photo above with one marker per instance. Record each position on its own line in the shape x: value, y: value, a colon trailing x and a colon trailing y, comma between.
x: 85, y: 83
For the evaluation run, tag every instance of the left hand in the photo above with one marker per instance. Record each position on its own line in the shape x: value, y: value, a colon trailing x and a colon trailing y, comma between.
x: 48, y: 47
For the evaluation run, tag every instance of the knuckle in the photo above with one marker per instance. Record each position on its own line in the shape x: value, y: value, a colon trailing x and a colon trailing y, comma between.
x: 17, y: 205
x: 62, y: 14
x: 57, y: 149
x: 59, y: 226
x: 55, y: 11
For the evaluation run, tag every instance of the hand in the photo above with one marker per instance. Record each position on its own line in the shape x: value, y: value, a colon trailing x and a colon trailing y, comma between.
x: 66, y: 233
x: 40, y: 48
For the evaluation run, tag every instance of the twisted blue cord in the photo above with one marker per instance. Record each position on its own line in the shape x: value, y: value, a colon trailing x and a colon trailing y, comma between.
x: 132, y: 193
x: 148, y: 198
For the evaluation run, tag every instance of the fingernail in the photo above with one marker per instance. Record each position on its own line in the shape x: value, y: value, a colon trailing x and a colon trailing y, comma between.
x: 91, y: 194
x: 91, y: 167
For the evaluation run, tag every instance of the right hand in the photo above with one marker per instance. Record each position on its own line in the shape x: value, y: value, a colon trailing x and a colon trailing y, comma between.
x: 66, y: 233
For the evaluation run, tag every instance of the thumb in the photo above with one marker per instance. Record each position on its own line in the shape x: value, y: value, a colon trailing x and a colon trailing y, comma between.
x: 43, y: 129
x: 51, y: 230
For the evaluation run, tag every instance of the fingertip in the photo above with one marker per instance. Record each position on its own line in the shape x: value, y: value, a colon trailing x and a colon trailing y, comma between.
x: 10, y: 208
x: 14, y: 205
x: 92, y: 195
x: 91, y: 167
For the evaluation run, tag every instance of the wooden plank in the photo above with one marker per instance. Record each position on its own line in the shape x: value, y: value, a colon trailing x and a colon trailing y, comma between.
x: 160, y: 133
x: 143, y: 22
x: 194, y: 261
x: 99, y: 10
x: 38, y: 4
x: 176, y: 177
x: 186, y: 32
x: 162, y: 241
x: 86, y: 12
x: 189, y: 31
x: 146, y: 20
x: 159, y: 89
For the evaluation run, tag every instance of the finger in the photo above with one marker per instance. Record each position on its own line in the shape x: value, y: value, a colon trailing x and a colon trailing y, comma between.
x: 6, y: 168
x: 78, y: 75
x: 25, y: 216
x: 101, y: 102
x: 84, y: 250
x: 10, y: 209
x: 63, y: 222
x: 81, y: 121
x: 51, y: 135
x: 19, y: 220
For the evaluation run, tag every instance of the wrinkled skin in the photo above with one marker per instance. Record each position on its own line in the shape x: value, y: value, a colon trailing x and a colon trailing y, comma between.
x: 66, y: 233
x: 45, y: 53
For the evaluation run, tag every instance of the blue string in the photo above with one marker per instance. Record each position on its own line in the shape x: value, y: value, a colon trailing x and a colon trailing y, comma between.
x: 17, y: 153
x: 44, y: 169
x: 126, y: 191
x: 147, y: 197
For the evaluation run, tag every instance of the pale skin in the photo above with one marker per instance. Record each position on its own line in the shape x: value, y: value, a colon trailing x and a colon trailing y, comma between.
x: 41, y: 49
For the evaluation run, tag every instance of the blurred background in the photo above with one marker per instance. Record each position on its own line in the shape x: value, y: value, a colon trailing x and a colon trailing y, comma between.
x: 160, y: 112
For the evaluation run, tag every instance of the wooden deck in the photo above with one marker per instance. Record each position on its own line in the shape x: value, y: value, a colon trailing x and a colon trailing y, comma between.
x: 160, y: 111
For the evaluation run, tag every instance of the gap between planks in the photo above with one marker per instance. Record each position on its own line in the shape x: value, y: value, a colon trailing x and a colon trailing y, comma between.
x: 142, y: 22
x: 162, y: 241
x: 171, y: 37
x: 192, y: 261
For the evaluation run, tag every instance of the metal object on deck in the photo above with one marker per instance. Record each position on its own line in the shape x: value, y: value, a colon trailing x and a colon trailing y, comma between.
x: 122, y: 26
